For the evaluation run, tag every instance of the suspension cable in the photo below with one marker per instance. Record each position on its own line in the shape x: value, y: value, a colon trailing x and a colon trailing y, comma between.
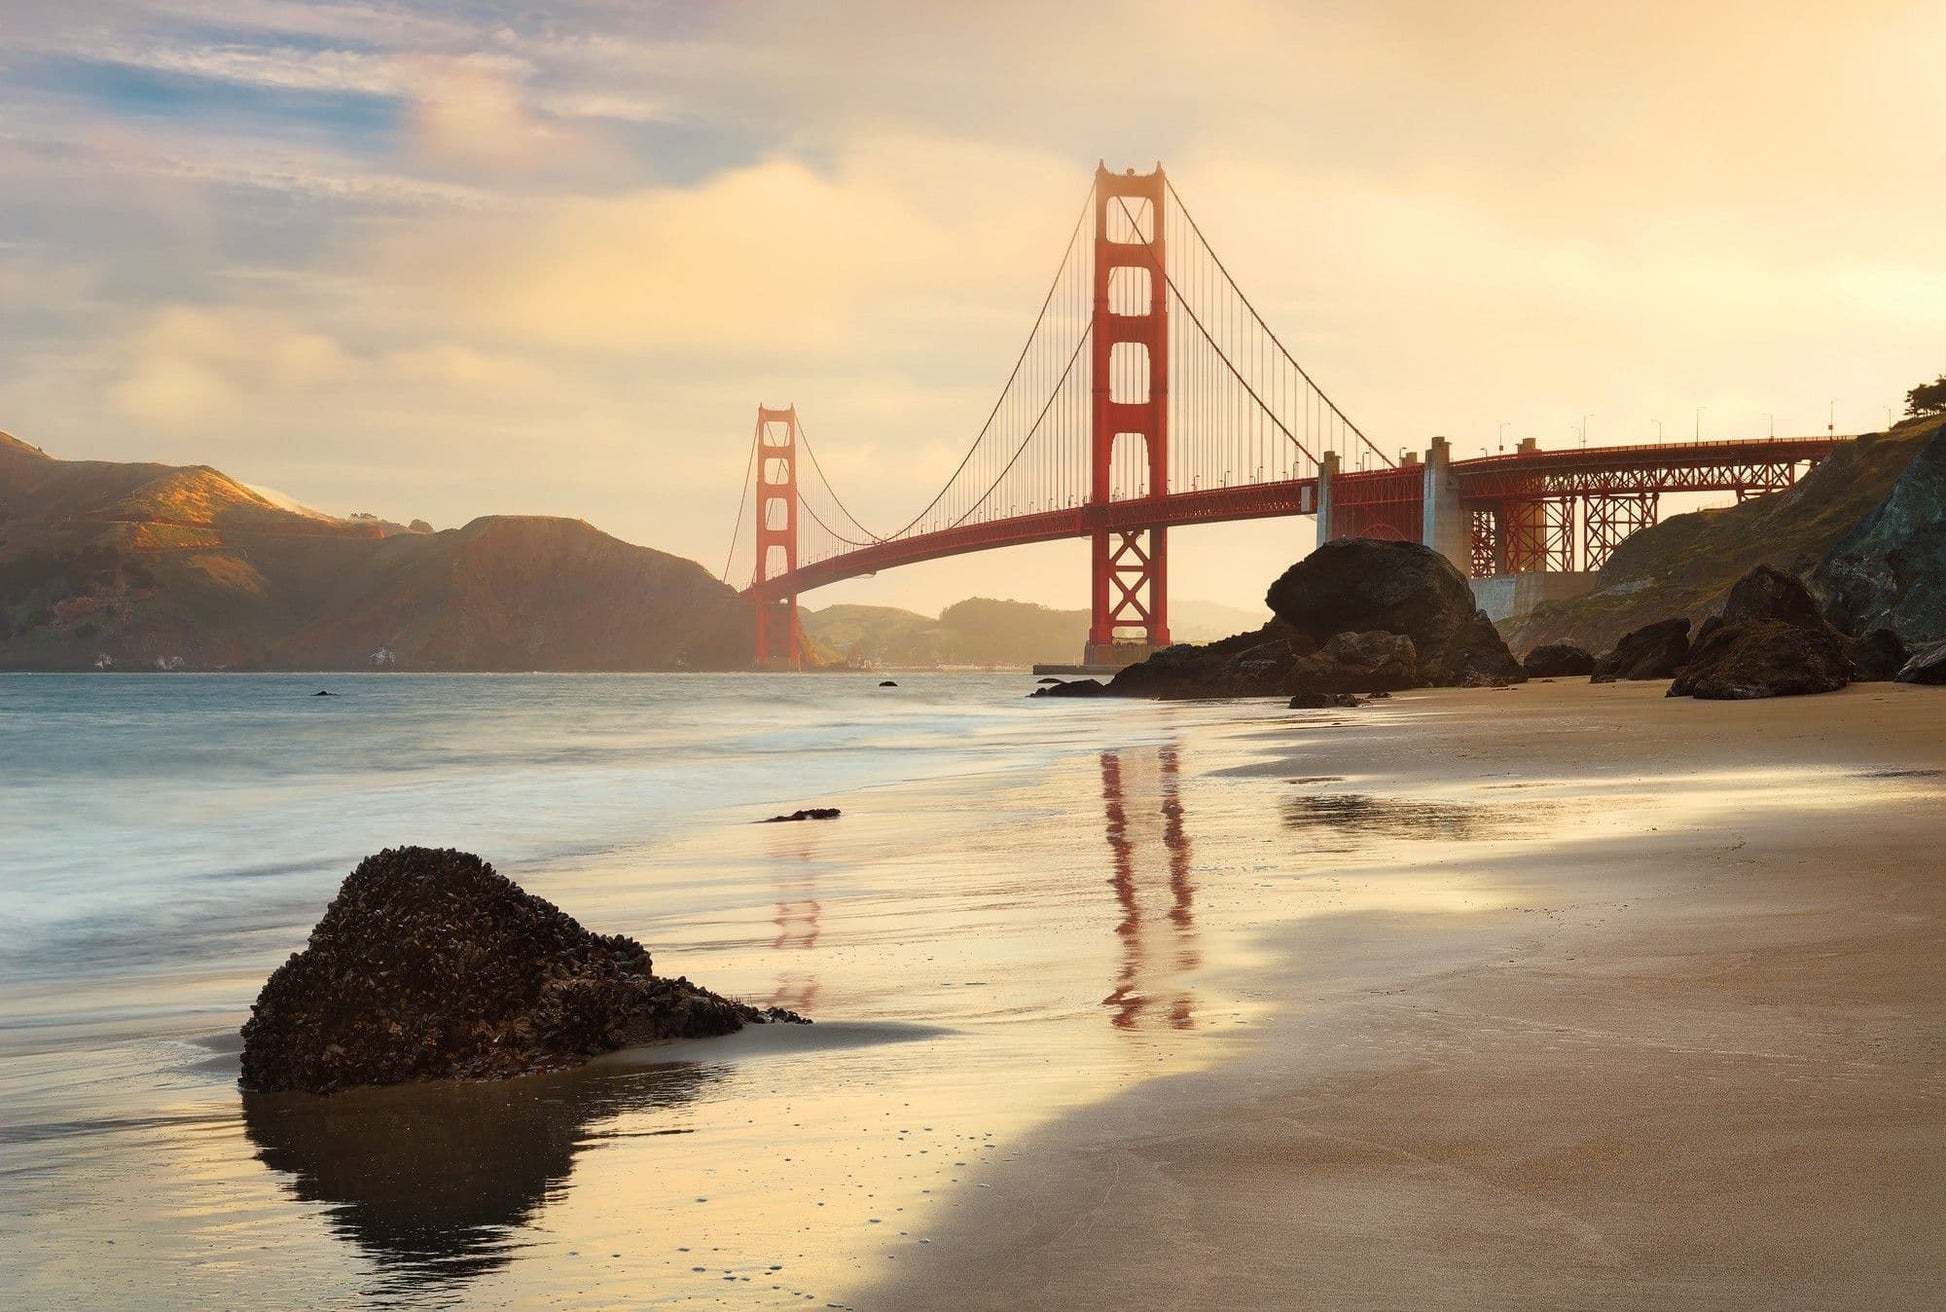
x: 1309, y: 381
x: 804, y: 437
x: 984, y: 428
x: 1191, y: 312
x: 742, y: 501
x: 812, y: 511
x: 1021, y: 450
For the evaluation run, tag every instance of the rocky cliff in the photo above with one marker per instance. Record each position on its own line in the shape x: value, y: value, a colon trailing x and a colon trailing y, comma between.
x: 1686, y: 565
x: 135, y: 565
x: 1890, y: 571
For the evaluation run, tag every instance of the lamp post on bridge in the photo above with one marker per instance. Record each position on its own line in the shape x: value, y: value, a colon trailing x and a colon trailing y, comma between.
x: 1773, y: 424
x: 1584, y: 429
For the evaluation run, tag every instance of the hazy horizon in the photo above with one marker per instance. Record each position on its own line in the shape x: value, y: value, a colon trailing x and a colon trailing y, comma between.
x: 436, y: 261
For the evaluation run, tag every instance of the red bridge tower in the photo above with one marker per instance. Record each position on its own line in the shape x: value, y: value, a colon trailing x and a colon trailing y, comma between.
x: 778, y: 636
x: 1130, y: 371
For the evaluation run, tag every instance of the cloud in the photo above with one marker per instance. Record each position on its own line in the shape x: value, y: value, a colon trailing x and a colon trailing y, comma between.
x: 189, y: 366
x: 587, y: 239
x: 777, y: 257
x: 473, y: 117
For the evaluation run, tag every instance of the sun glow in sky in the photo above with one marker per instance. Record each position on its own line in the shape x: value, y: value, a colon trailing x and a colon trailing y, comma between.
x: 439, y: 259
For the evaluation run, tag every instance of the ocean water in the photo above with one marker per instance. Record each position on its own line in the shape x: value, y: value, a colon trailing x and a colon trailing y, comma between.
x: 156, y: 828
x: 1008, y: 920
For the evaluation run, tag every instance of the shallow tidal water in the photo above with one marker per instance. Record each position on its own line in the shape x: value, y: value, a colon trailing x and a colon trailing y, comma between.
x: 1026, y: 908
x: 1005, y: 923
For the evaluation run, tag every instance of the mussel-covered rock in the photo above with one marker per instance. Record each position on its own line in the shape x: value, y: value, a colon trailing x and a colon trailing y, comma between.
x: 428, y: 965
x: 1770, y: 594
x: 1312, y: 700
x: 1879, y: 656
x: 1356, y: 615
x: 1764, y: 658
x: 1355, y: 585
x: 1070, y: 688
x: 1654, y: 651
x: 1252, y: 664
x: 1356, y: 662
x: 1486, y: 661
x: 1558, y: 660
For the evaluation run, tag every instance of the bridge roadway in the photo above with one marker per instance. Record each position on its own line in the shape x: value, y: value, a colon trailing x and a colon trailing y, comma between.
x: 1726, y: 466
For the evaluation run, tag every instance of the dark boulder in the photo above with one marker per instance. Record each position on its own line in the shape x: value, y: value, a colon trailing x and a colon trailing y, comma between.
x: 1313, y: 701
x: 1071, y: 688
x: 1558, y: 660
x: 1182, y: 670
x: 1268, y: 661
x: 1356, y: 662
x: 428, y: 965
x: 1764, y: 658
x: 1252, y: 664
x: 1879, y: 656
x: 1355, y: 585
x: 1486, y: 660
x: 887, y: 683
x: 1654, y: 651
x: 1890, y: 570
x: 1356, y: 615
x: 1927, y: 665
x: 808, y: 813
x: 1770, y: 594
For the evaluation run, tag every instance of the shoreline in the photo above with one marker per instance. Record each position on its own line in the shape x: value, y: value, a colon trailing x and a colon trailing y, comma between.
x: 1083, y: 954
x: 1693, y: 1057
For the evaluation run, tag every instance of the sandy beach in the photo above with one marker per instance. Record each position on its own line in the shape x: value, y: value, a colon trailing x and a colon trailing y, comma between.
x: 1690, y: 1053
x: 1566, y: 996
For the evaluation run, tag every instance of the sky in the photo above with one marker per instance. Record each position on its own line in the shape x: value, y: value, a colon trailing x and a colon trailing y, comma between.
x: 440, y: 259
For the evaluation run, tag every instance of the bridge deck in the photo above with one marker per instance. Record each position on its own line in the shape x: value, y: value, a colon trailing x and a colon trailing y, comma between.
x: 1726, y: 466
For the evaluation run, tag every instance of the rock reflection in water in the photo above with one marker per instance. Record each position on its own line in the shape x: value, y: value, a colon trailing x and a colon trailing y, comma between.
x: 1340, y: 822
x: 1149, y: 864
x: 434, y: 1182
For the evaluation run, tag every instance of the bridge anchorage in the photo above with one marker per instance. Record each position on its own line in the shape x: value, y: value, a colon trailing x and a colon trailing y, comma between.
x: 1151, y: 395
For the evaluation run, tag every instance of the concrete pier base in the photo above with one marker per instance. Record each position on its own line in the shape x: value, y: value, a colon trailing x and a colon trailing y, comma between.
x: 1507, y: 596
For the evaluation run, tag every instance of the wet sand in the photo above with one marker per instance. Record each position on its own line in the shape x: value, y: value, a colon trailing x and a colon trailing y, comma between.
x: 1689, y: 1051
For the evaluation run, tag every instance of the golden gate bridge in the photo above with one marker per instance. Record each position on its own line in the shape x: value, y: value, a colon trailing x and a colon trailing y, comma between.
x: 1150, y: 395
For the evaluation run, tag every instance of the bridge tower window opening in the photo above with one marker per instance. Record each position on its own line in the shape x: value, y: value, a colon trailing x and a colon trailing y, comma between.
x: 1131, y: 291
x: 1129, y: 467
x: 1129, y: 382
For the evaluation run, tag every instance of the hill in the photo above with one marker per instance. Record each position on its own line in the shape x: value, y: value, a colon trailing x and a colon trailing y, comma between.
x: 984, y: 631
x: 1686, y: 564
x: 135, y: 565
